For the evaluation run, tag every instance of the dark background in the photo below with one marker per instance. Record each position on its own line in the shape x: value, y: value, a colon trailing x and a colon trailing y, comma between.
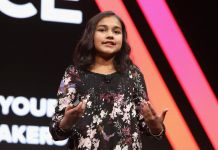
x: 35, y: 53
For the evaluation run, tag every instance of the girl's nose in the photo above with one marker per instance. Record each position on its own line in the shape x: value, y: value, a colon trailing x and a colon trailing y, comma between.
x: 110, y: 35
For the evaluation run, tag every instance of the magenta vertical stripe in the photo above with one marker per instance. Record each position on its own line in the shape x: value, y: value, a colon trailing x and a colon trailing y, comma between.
x: 184, y: 64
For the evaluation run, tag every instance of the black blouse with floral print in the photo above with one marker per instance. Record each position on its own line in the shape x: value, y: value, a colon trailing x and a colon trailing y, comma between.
x: 112, y: 118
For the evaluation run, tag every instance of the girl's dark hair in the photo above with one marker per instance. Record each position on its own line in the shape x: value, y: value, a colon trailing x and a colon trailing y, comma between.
x: 84, y: 53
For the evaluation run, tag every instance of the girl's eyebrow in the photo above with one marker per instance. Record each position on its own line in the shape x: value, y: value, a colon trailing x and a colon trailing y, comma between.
x: 101, y: 25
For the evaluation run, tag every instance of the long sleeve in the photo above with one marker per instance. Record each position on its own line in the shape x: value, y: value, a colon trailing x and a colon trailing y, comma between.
x: 66, y: 94
x: 141, y: 95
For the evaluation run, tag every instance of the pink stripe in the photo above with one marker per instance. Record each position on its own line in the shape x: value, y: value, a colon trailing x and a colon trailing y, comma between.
x: 184, y: 64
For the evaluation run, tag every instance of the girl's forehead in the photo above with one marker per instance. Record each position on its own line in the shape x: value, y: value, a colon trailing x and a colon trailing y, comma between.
x: 109, y: 21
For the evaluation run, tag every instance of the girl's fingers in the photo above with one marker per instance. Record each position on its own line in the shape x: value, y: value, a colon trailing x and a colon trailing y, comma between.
x: 69, y: 107
x: 151, y: 108
x: 146, y: 112
x: 75, y: 109
x: 164, y: 114
x: 80, y: 108
x: 84, y: 104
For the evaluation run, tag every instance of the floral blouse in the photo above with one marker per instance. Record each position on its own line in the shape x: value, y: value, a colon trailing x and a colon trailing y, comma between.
x: 112, y: 118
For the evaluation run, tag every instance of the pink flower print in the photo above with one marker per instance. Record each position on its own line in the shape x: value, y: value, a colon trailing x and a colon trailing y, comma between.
x: 128, y: 140
x: 64, y: 102
x: 105, y: 136
x: 72, y: 96
x: 119, y: 98
x: 126, y: 131
x: 61, y: 88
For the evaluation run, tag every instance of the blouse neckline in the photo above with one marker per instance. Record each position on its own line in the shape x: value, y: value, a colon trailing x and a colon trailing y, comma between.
x: 101, y: 74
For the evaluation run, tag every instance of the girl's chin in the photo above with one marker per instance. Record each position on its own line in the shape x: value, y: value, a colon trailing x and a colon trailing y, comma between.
x: 108, y: 50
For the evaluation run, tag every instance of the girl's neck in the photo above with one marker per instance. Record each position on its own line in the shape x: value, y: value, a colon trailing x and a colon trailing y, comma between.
x: 103, y: 66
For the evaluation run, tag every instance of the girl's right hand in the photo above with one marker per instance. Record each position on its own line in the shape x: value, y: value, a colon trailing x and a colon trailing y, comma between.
x: 72, y: 114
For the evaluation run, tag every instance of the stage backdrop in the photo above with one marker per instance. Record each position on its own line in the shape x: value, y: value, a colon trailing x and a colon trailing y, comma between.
x: 174, y: 43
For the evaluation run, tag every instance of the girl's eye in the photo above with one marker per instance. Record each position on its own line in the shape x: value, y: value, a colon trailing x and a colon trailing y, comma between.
x: 117, y: 32
x: 101, y: 30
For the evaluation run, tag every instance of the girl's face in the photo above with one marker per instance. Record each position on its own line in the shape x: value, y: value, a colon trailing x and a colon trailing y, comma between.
x: 108, y: 36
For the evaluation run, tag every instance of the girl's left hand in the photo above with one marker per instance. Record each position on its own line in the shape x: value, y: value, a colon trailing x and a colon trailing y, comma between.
x: 154, y: 122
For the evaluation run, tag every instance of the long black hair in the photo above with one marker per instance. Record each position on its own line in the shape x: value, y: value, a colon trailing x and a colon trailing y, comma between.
x: 84, y: 52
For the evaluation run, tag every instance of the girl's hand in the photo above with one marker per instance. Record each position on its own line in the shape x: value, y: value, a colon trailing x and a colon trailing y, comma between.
x: 154, y: 122
x: 72, y: 114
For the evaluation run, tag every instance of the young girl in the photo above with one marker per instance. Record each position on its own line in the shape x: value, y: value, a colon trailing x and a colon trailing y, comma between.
x: 102, y: 99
